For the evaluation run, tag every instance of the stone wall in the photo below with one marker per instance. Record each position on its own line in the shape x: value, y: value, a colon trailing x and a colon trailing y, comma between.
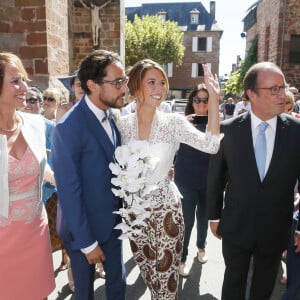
x: 277, y: 20
x: 36, y: 31
x: 52, y: 37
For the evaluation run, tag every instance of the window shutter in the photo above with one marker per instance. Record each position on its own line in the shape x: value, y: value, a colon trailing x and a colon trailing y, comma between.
x: 194, y: 70
x: 209, y: 44
x: 170, y: 69
x: 195, y: 44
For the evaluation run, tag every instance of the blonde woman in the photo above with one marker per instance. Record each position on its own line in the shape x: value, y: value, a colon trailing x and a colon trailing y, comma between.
x: 51, y: 100
x: 26, y: 267
x: 290, y: 104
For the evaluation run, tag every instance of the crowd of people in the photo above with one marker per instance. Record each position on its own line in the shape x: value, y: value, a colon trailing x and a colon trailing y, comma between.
x: 234, y: 176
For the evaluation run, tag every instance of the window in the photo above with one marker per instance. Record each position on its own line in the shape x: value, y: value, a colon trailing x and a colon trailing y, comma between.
x: 295, y: 49
x: 163, y: 15
x: 168, y: 68
x: 197, y: 70
x: 202, y: 44
x: 194, y: 14
x: 163, y: 18
x: 194, y: 19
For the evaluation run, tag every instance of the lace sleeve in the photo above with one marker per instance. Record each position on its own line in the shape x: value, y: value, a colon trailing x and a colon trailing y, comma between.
x: 127, y: 128
x: 186, y: 133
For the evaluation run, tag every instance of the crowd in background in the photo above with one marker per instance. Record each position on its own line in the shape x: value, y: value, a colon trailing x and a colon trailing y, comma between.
x: 53, y: 107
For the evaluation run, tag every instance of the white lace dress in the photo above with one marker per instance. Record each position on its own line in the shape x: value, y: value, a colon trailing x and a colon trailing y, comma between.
x: 158, y: 254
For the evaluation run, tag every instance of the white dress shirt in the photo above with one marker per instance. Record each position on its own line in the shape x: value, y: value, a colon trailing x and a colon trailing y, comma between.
x: 240, y: 105
x: 100, y: 115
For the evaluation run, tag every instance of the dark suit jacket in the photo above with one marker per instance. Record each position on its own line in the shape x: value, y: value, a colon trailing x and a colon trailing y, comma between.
x: 81, y: 153
x: 255, y: 213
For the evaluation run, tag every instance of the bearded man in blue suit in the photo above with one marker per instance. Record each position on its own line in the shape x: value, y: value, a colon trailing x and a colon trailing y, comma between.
x: 83, y: 145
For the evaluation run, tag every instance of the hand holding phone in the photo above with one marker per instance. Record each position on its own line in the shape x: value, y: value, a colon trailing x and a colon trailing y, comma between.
x: 200, y: 119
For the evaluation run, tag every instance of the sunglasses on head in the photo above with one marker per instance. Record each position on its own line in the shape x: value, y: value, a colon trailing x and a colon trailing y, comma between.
x: 199, y: 100
x: 49, y: 99
x: 32, y: 100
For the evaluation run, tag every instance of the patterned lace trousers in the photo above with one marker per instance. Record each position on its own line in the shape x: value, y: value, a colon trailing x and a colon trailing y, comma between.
x: 158, y: 251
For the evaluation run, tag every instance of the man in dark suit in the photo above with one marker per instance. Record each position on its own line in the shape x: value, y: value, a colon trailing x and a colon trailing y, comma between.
x: 83, y: 146
x: 255, y: 215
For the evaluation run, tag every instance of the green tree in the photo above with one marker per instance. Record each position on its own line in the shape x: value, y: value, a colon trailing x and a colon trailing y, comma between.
x: 234, y: 83
x: 151, y: 37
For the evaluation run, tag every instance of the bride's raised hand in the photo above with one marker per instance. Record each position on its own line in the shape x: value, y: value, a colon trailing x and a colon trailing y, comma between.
x: 213, y: 87
x: 211, y: 81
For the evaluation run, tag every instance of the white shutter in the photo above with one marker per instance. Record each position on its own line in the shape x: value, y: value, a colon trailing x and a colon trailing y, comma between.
x: 170, y: 69
x: 209, y: 44
x: 208, y: 65
x: 195, y: 44
x: 194, y: 70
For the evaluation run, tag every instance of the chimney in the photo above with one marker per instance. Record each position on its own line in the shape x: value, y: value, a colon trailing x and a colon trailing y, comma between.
x: 212, y: 9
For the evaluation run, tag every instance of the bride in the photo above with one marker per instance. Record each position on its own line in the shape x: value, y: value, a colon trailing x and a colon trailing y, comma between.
x: 157, y: 251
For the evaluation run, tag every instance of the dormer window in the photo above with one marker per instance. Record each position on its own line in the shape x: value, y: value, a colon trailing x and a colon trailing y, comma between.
x: 194, y: 16
x: 162, y: 14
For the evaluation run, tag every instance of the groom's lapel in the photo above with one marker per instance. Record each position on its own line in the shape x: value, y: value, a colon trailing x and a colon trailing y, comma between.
x: 98, y: 131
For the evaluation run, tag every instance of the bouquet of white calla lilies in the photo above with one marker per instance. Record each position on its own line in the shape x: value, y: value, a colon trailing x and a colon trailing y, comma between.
x: 133, y: 163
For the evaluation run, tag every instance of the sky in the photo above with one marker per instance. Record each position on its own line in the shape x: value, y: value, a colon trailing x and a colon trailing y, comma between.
x: 229, y: 16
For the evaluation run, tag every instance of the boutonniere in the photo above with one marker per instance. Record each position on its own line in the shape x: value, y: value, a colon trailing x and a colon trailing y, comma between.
x: 116, y: 113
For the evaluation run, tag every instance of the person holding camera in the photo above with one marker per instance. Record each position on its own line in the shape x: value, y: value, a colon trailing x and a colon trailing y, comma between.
x: 190, y: 172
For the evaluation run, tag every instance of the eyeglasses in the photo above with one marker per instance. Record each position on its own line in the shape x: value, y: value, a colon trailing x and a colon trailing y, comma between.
x: 49, y: 99
x: 117, y: 82
x: 275, y: 90
x: 199, y: 100
x: 32, y: 100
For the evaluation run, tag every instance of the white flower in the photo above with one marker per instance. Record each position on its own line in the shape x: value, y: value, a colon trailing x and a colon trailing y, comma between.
x: 116, y: 114
x: 133, y: 164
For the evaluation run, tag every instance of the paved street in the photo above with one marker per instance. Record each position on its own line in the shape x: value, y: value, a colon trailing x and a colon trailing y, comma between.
x: 204, y: 282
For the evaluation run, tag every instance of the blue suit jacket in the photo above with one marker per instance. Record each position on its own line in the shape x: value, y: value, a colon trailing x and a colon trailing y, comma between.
x: 81, y: 153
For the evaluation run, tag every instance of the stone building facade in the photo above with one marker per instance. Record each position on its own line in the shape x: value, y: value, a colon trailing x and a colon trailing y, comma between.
x: 52, y: 37
x: 276, y: 26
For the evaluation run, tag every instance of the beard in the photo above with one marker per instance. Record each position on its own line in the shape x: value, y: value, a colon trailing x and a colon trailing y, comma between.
x: 115, y: 103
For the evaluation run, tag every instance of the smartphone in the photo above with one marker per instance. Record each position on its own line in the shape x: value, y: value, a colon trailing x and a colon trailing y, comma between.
x: 200, y: 119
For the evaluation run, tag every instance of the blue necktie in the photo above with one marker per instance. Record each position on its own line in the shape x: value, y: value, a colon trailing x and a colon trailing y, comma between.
x: 113, y: 130
x: 109, y: 116
x: 260, y: 149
